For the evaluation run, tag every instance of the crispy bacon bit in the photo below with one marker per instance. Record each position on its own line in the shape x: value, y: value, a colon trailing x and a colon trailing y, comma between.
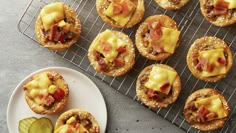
x: 97, y: 56
x: 53, y: 32
x: 210, y: 67
x: 117, y: 9
x: 49, y: 100
x: 158, y: 48
x: 125, y: 7
x: 61, y: 37
x: 119, y: 62
x: 201, y: 64
x: 102, y: 64
x: 211, y: 115
x: 154, y: 25
x: 155, y: 34
x: 165, y: 86
x: 121, y: 49
x: 221, y: 61
x: 202, y: 113
x: 221, y: 8
x: 153, y: 95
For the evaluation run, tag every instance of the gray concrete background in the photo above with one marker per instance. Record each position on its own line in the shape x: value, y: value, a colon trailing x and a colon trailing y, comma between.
x: 19, y: 56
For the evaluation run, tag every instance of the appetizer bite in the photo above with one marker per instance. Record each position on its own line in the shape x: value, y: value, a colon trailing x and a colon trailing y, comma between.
x: 158, y: 85
x: 46, y: 92
x: 209, y: 59
x: 157, y: 37
x: 57, y: 26
x: 206, y: 109
x: 76, y: 120
x: 171, y: 4
x: 120, y: 13
x: 112, y: 53
x: 219, y: 12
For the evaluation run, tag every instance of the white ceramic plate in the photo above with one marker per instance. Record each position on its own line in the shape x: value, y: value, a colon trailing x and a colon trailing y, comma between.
x: 83, y: 94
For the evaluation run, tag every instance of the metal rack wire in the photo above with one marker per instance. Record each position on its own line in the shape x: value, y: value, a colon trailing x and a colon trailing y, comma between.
x: 192, y: 26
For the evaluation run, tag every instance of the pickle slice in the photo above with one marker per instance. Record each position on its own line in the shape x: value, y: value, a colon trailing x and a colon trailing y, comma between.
x: 24, y: 124
x: 41, y: 125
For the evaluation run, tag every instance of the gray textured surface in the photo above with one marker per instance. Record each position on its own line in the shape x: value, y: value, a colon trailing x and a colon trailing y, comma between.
x: 19, y: 56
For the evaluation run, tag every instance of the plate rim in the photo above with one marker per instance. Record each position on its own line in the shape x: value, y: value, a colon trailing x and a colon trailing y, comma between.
x: 51, y: 68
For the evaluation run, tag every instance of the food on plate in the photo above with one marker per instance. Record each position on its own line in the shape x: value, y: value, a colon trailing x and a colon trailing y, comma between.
x: 171, y: 4
x: 34, y: 125
x: 76, y: 120
x: 25, y: 123
x: 219, y: 12
x: 158, y: 85
x: 57, y: 27
x: 46, y: 92
x: 206, y: 109
x: 120, y: 13
x: 209, y: 59
x: 157, y: 37
x: 112, y: 53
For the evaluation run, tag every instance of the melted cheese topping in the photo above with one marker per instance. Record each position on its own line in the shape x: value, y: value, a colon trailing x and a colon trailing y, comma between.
x: 231, y: 3
x: 51, y: 14
x: 70, y: 127
x: 160, y: 76
x: 211, y: 57
x: 123, y: 17
x: 113, y: 43
x: 169, y: 39
x: 38, y: 86
x: 213, y: 104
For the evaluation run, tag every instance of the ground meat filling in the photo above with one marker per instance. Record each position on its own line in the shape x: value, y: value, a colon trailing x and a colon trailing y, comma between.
x: 213, y: 12
x: 117, y: 63
x: 86, y: 123
x: 152, y: 94
x: 198, y: 115
x: 200, y: 64
x: 176, y: 2
x: 150, y: 35
x: 58, y: 34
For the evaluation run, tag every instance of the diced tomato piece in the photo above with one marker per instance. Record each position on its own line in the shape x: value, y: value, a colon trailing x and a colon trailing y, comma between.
x: 202, y: 113
x: 155, y: 35
x: 221, y: 61
x: 102, y: 64
x: 119, y: 62
x: 165, y: 86
x: 125, y: 7
x: 117, y: 9
x: 59, y: 94
x: 121, y: 49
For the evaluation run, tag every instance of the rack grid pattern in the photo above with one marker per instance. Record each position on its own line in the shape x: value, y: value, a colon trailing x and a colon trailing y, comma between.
x: 192, y: 26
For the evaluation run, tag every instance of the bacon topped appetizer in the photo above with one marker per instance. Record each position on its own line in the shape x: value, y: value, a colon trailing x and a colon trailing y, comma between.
x: 120, y: 13
x: 219, y: 12
x: 209, y: 59
x: 112, y: 53
x: 46, y: 92
x: 158, y: 85
x: 57, y: 26
x: 206, y: 109
x: 76, y: 121
x: 171, y: 4
x: 157, y: 37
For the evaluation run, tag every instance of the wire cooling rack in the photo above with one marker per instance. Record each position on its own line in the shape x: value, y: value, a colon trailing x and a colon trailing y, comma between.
x: 192, y: 26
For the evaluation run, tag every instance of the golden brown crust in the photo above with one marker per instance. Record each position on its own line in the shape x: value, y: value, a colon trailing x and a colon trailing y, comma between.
x: 137, y: 16
x: 210, y: 125
x: 169, y: 5
x: 207, y: 43
x: 142, y: 46
x: 141, y: 90
x: 82, y: 115
x: 69, y: 13
x: 57, y: 105
x: 218, y: 20
x: 118, y: 71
